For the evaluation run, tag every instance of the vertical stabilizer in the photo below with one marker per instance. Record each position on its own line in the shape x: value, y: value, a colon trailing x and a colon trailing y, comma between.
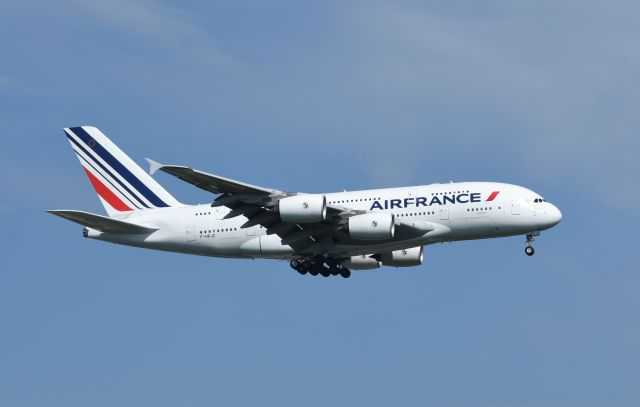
x: 120, y: 183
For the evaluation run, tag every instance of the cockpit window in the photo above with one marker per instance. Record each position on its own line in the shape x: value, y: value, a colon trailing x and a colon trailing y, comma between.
x: 539, y: 200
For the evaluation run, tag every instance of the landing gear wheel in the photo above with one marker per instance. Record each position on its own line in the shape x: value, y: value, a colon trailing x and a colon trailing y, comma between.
x: 324, y: 265
x: 528, y: 249
x: 310, y: 267
x: 298, y: 266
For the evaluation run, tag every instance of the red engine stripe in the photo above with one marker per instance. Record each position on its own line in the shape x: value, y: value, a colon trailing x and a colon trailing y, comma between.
x: 492, y: 196
x: 106, y: 194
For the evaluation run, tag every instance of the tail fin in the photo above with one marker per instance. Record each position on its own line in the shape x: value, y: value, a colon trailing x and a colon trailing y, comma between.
x: 120, y: 183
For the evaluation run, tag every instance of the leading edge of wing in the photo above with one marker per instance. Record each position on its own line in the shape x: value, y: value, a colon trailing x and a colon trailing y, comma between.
x: 209, y: 182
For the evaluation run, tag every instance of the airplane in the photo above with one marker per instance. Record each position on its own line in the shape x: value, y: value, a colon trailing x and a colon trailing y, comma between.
x: 319, y: 234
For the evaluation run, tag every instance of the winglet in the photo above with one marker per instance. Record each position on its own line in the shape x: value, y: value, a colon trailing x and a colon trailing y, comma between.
x: 154, y: 166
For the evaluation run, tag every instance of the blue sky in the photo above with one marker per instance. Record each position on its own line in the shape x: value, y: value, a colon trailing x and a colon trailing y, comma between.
x: 324, y: 96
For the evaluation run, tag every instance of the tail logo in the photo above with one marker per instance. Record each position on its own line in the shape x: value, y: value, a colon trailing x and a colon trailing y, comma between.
x: 118, y: 181
x: 106, y: 194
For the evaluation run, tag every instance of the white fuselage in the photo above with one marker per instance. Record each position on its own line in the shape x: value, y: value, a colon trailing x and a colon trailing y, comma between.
x: 434, y: 213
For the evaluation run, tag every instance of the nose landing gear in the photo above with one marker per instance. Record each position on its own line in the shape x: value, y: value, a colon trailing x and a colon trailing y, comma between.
x: 528, y: 249
x: 319, y: 265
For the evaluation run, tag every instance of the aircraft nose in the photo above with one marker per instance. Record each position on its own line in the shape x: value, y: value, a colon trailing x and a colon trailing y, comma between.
x: 555, y: 215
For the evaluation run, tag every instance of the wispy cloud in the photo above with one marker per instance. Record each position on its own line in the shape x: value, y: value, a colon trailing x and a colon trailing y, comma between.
x: 118, y: 53
x: 146, y: 25
x: 399, y: 90
x: 565, y: 91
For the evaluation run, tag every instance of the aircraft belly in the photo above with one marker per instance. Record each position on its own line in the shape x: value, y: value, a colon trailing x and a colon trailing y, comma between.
x: 267, y: 246
x: 271, y: 245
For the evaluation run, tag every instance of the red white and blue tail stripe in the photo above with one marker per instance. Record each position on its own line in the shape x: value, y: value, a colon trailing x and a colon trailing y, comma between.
x: 120, y: 183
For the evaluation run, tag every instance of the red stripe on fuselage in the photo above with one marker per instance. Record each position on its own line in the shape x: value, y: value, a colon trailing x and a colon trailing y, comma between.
x: 492, y: 196
x: 106, y: 194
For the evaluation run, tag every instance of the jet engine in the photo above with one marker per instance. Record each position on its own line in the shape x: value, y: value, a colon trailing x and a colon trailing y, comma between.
x: 304, y: 208
x: 371, y: 226
x: 403, y: 258
x: 363, y: 262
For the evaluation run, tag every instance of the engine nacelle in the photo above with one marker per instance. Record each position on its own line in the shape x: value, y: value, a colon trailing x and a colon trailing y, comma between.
x: 363, y: 262
x: 403, y: 258
x: 372, y: 226
x: 305, y: 208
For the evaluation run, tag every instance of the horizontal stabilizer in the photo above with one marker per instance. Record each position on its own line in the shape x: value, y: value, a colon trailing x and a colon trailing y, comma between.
x: 102, y: 223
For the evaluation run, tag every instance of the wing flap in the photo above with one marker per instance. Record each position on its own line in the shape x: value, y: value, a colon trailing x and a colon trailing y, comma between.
x: 101, y: 223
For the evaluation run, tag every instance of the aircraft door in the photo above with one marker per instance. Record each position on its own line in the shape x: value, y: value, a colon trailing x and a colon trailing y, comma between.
x: 444, y: 212
x: 515, y: 208
x: 191, y: 233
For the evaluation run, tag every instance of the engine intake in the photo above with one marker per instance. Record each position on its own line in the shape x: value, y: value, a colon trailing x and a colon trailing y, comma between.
x: 403, y: 258
x: 371, y: 226
x: 304, y: 208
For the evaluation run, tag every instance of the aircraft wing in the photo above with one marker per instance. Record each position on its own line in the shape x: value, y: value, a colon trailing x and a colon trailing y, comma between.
x: 102, y: 223
x: 257, y: 204
x: 209, y: 182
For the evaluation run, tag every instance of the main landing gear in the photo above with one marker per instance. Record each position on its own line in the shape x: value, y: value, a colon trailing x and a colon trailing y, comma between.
x: 320, y: 265
x: 528, y: 249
